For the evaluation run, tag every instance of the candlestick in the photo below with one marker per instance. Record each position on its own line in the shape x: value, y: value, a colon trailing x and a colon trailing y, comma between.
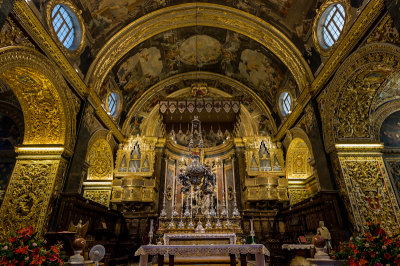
x: 251, y: 225
x: 163, y: 211
x: 235, y: 212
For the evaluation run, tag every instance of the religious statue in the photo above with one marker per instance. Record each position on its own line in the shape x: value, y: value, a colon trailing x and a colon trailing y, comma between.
x: 324, y: 232
x: 80, y: 228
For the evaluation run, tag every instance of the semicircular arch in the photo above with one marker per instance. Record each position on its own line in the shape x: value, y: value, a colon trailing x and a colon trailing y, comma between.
x: 351, y: 93
x: 196, y: 75
x: 40, y: 90
x: 198, y: 14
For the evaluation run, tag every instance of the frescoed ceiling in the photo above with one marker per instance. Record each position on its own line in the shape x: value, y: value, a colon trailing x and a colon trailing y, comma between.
x: 104, y: 18
x: 202, y: 49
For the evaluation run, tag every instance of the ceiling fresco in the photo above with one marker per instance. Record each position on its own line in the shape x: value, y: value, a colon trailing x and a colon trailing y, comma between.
x: 104, y: 18
x: 201, y: 49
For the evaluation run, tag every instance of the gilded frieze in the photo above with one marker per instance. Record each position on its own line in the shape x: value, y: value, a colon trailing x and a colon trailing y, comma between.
x: 297, y: 195
x: 370, y: 191
x: 99, y: 196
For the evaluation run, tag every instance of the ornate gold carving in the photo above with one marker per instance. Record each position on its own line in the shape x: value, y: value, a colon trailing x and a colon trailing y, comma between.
x: 100, y: 159
x: 99, y: 196
x: 351, y: 92
x: 136, y: 156
x: 40, y: 35
x: 297, y: 195
x: 38, y: 95
x: 370, y: 191
x: 317, y: 29
x: 29, y: 196
x: 385, y: 32
x: 198, y: 14
x: 298, y: 157
x: 11, y: 35
x: 82, y: 28
x: 43, y: 109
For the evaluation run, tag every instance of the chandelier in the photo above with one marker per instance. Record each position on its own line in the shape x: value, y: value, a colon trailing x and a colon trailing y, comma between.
x: 196, y: 175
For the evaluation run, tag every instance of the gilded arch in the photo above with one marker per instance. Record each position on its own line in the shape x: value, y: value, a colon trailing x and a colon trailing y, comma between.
x: 151, y: 92
x: 40, y: 91
x: 351, y: 93
x: 193, y: 14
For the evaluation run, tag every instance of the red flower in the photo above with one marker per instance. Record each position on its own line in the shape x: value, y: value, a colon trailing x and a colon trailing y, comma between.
x: 53, y: 257
x: 55, y: 249
x: 13, y: 239
x: 22, y: 250
x: 3, y: 261
x: 379, y: 231
x: 387, y: 256
x: 369, y: 236
x: 26, y: 231
x: 362, y: 262
x: 387, y: 241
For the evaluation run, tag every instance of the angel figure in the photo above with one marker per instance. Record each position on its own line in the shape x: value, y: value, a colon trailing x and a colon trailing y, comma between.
x: 80, y: 228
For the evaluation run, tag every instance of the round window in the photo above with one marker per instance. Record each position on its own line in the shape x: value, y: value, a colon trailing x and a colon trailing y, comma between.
x: 285, y: 103
x: 331, y: 24
x: 66, y: 26
x: 112, y: 103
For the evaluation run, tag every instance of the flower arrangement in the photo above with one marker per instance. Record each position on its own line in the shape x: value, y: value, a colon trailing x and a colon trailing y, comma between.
x: 374, y: 247
x: 25, y: 248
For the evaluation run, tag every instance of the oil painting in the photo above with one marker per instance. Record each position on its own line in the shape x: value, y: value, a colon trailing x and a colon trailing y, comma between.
x: 390, y: 131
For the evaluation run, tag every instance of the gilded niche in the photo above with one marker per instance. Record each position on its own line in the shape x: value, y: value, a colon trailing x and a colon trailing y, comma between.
x: 41, y: 104
x: 100, y: 159
x: 370, y: 191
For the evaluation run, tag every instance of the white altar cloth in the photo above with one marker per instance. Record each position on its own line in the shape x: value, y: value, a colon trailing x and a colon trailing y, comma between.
x: 229, y: 236
x: 202, y: 251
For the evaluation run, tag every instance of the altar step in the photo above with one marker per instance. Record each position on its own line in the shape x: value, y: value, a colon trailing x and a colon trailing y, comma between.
x: 196, y: 261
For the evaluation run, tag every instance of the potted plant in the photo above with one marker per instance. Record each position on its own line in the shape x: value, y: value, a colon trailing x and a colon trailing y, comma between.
x: 373, y: 247
x: 25, y: 248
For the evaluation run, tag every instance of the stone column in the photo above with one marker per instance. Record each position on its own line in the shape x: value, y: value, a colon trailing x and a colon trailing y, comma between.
x: 367, y: 185
x: 36, y: 181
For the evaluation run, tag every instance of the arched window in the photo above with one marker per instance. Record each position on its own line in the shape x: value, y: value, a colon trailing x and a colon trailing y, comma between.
x: 66, y: 26
x: 332, y: 23
x: 285, y: 103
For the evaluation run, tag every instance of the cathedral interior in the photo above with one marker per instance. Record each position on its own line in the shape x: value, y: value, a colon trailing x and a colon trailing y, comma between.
x: 292, y: 107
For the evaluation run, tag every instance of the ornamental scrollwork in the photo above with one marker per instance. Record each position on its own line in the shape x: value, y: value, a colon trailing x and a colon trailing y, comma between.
x: 11, y: 35
x: 351, y: 93
x: 99, y: 196
x: 27, y: 200
x: 370, y: 192
x: 385, y: 32
x: 297, y: 195
x: 100, y: 159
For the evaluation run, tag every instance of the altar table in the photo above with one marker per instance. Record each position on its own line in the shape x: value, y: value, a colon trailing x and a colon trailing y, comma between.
x: 202, y: 251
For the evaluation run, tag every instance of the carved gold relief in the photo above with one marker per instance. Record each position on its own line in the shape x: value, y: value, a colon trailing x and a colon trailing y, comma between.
x: 370, y: 191
x: 99, y: 196
x: 100, y: 161
x: 42, y: 107
x: 11, y: 35
x: 297, y: 195
x: 27, y: 202
x: 351, y: 92
x: 385, y: 32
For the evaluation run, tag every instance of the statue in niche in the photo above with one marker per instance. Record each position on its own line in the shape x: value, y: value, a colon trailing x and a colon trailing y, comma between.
x: 324, y: 232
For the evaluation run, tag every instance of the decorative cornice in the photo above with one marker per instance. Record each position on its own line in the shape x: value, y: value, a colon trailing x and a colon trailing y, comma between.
x: 203, y: 14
